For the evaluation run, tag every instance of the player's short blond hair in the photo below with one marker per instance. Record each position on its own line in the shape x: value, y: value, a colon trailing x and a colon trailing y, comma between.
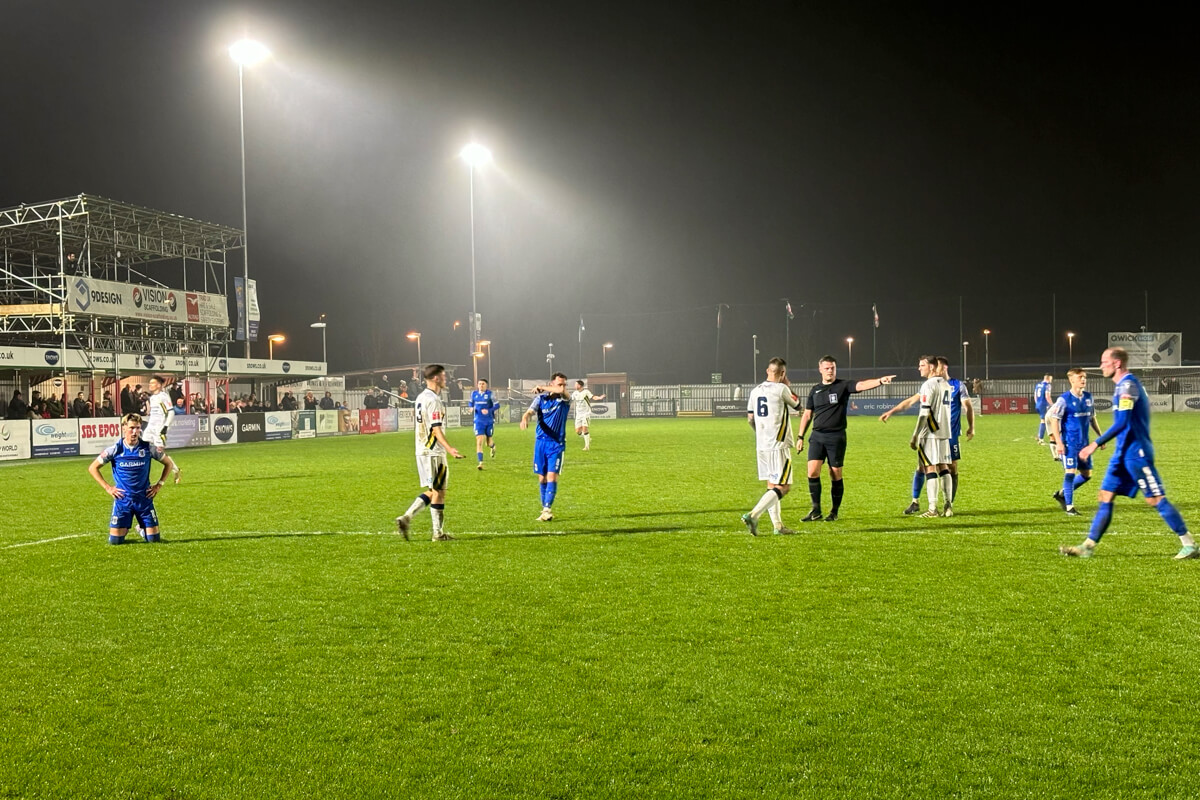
x: 135, y: 419
x: 1076, y: 371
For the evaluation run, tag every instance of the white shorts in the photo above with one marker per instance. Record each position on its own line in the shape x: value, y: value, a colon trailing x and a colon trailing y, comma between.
x: 158, y: 439
x: 933, y: 451
x: 775, y: 465
x: 583, y: 422
x: 432, y: 471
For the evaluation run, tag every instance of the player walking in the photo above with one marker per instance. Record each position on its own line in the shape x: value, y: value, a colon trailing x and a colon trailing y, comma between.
x: 931, y: 438
x: 768, y: 410
x: 1131, y: 468
x: 483, y: 401
x: 432, y: 447
x: 133, y: 494
x: 1042, y: 392
x: 582, y: 398
x: 1068, y: 422
x: 161, y: 411
x: 550, y: 405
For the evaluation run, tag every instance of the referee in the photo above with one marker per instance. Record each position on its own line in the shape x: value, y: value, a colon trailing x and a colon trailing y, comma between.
x: 826, y: 410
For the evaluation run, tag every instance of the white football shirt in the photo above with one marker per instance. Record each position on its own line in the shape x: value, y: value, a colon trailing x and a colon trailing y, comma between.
x: 430, y: 413
x: 158, y: 405
x: 935, y: 404
x: 770, y: 404
x: 583, y: 403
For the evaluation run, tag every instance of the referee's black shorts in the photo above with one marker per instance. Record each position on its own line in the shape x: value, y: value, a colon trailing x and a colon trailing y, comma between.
x: 827, y: 446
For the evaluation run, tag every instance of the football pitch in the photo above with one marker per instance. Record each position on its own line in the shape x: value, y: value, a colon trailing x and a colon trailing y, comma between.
x: 286, y: 642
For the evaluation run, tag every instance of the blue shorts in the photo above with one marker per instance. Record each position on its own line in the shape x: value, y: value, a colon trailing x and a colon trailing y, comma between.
x: 127, y: 507
x: 1071, y: 458
x: 1133, y: 474
x: 547, y: 457
x: 955, y: 454
x: 485, y: 427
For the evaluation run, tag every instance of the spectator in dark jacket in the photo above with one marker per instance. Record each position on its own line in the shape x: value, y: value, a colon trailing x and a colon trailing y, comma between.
x: 17, y: 409
x: 310, y: 402
x: 80, y: 406
x: 327, y: 403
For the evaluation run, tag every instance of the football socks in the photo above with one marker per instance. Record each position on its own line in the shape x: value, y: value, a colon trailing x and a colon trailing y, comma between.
x: 1100, y: 521
x: 1171, y: 516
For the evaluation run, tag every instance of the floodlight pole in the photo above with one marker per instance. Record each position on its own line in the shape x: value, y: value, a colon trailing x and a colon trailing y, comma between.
x: 245, y: 225
x: 474, y: 315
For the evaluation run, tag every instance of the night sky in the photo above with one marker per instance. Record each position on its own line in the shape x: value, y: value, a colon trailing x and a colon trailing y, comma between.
x: 653, y: 160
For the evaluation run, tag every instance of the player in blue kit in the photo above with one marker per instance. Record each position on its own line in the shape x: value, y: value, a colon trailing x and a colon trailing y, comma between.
x: 1069, y: 421
x: 483, y: 401
x: 551, y: 406
x: 1131, y: 468
x: 1042, y: 393
x: 131, y: 490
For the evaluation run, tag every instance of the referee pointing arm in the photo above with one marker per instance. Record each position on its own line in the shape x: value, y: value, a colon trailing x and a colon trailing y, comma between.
x: 825, y: 409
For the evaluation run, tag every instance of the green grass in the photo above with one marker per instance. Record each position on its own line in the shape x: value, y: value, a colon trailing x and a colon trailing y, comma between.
x: 286, y: 643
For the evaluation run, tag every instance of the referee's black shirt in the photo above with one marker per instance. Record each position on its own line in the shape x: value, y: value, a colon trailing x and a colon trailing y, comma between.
x: 828, y: 402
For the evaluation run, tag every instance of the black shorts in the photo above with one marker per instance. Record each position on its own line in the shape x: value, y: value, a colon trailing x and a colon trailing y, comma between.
x: 827, y: 446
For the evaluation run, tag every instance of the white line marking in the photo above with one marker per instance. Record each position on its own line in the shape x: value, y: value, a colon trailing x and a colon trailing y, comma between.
x: 46, y: 541
x: 550, y: 532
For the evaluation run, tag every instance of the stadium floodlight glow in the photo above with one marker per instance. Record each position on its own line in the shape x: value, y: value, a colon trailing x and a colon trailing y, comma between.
x: 964, y: 364
x: 415, y: 336
x: 272, y: 340
x: 322, y: 325
x: 1071, y: 347
x: 604, y: 354
x: 476, y: 155
x: 849, y: 354
x: 245, y: 53
x: 248, y: 52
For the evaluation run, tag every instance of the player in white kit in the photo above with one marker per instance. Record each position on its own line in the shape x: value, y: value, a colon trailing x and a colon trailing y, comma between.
x: 769, y: 411
x: 429, y: 415
x: 582, y: 399
x: 931, y: 439
x: 160, y: 410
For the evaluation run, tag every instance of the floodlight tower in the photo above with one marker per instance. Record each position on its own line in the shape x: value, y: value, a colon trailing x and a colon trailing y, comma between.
x: 245, y: 53
x: 475, y: 155
x: 322, y: 325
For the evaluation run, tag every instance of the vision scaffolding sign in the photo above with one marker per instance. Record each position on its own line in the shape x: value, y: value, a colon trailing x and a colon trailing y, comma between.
x: 109, y: 299
x: 1149, y: 349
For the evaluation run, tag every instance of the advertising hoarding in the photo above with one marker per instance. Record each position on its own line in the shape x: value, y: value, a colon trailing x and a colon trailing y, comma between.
x: 97, y: 433
x: 14, y: 439
x: 55, y: 437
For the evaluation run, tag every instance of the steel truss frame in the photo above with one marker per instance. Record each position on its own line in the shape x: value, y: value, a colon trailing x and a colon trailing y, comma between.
x: 45, y: 244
